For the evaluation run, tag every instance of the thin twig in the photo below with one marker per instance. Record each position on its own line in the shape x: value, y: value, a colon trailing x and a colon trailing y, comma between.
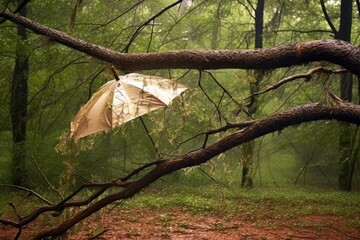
x: 228, y: 93
x: 247, y: 8
x: 27, y: 190
x: 148, y: 134
x: 222, y: 87
x: 99, y: 234
x: 119, y: 16
x: 212, y: 179
x: 308, y: 75
x: 15, y: 211
x: 142, y: 26
x: 151, y: 36
x: 46, y: 179
x: 96, y: 74
x: 210, y: 100
x: 136, y: 171
x: 218, y: 130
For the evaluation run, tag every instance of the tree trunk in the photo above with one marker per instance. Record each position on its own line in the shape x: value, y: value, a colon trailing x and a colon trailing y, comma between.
x: 248, y: 148
x: 18, y: 107
x: 259, y: 23
x: 345, y: 137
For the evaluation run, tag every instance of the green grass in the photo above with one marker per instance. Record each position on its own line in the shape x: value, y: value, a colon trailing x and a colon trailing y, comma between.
x: 285, y: 202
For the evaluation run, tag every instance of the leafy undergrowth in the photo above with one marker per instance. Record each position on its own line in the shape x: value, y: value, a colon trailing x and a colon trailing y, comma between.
x: 210, y: 212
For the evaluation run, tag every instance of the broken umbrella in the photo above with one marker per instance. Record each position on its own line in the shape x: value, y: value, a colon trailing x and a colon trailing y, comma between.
x: 121, y: 100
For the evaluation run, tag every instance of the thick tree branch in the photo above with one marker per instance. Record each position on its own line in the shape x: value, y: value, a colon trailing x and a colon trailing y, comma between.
x: 334, y: 51
x: 310, y: 112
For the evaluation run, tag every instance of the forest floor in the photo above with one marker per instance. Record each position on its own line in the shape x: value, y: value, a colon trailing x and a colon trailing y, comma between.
x: 178, y: 224
x: 252, y: 215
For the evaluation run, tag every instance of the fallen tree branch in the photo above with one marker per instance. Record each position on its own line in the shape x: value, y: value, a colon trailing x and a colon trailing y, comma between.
x: 310, y: 112
x: 335, y: 51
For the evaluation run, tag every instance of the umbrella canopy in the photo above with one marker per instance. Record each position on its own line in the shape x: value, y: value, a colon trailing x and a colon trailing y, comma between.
x: 119, y: 101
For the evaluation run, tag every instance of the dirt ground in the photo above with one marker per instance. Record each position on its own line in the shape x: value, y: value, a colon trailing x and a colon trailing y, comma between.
x: 178, y: 224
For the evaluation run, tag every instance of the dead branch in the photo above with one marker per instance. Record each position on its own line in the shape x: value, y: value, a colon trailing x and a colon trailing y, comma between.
x: 335, y: 51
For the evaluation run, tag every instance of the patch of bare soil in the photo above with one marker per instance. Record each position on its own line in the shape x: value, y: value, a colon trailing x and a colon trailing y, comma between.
x: 178, y: 224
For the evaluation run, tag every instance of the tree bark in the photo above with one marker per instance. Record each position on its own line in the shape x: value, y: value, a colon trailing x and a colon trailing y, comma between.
x: 18, y: 107
x: 334, y: 51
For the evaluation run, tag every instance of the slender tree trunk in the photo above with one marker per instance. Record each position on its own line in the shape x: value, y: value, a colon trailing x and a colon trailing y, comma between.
x: 216, y: 28
x: 248, y: 148
x: 18, y: 107
x: 259, y: 23
x: 345, y: 137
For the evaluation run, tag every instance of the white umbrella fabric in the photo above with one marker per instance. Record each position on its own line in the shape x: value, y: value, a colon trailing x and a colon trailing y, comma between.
x: 121, y: 100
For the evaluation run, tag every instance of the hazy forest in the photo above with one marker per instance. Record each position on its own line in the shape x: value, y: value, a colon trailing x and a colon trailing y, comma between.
x: 264, y: 143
